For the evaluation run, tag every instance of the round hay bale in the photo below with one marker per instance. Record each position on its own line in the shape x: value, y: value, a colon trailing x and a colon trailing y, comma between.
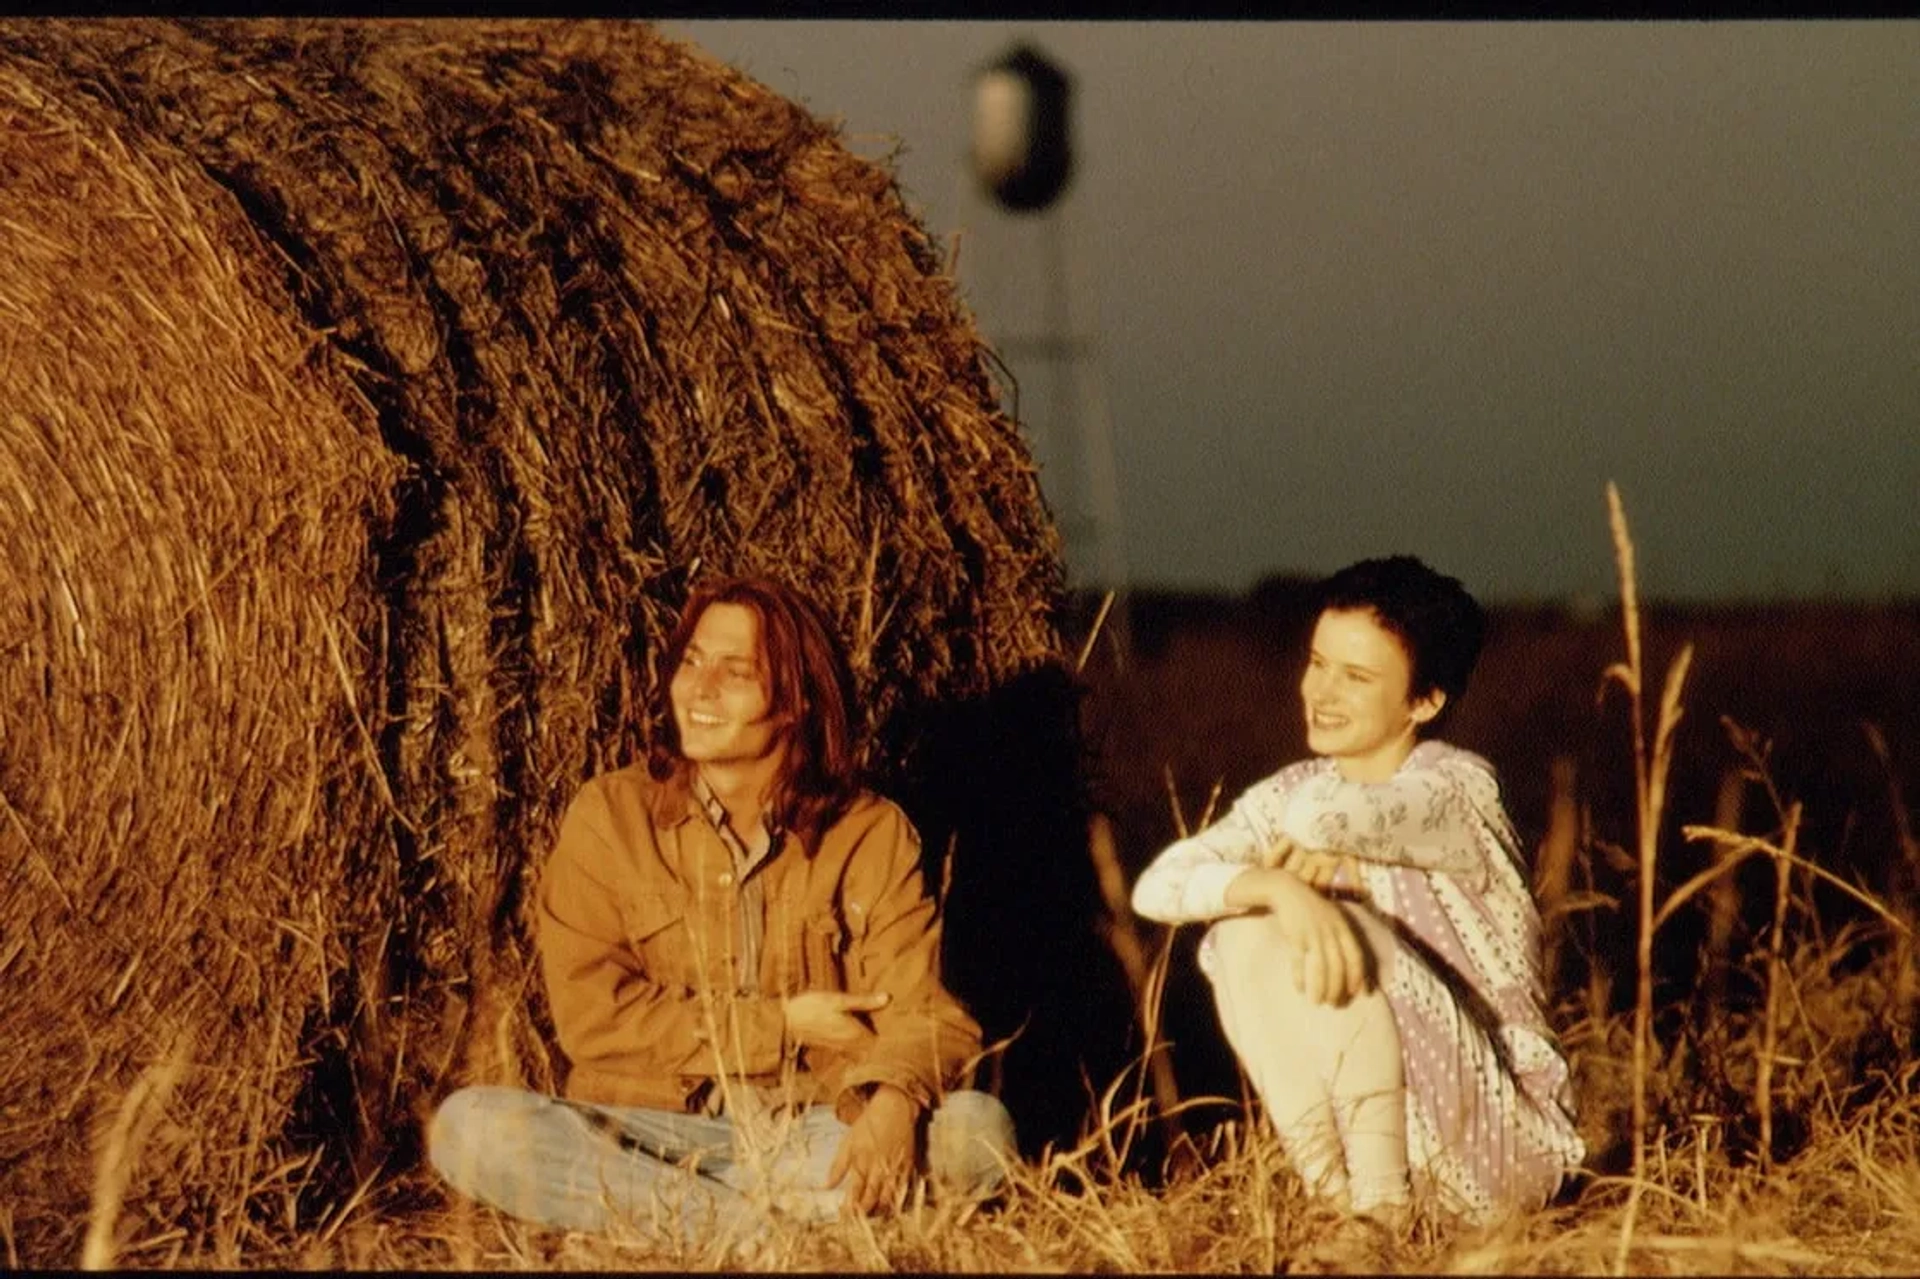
x: 187, y: 669
x: 374, y: 392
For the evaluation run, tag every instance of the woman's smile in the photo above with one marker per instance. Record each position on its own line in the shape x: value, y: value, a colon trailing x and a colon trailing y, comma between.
x: 1355, y: 692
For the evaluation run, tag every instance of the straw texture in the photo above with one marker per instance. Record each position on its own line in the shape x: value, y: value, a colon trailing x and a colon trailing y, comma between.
x: 373, y: 391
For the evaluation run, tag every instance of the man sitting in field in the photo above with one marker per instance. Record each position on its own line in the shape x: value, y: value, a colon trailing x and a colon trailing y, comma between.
x: 743, y: 966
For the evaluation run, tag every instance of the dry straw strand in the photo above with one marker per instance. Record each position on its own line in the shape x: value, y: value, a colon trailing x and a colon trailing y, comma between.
x: 1144, y: 977
x: 1650, y: 769
x: 133, y: 1123
x: 1776, y: 947
x: 1553, y: 867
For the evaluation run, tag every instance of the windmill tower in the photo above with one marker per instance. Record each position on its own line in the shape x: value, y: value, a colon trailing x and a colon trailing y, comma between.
x: 1020, y: 270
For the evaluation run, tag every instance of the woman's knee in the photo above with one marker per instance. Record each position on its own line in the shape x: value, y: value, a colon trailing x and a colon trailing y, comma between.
x: 1250, y: 949
x: 1244, y: 943
x: 1252, y: 962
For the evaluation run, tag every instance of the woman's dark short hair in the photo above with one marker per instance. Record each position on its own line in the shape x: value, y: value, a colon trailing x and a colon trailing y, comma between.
x: 807, y: 684
x: 1436, y: 620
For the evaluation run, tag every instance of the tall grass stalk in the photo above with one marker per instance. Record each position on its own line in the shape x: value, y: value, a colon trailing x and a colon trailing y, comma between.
x: 1146, y: 977
x: 1553, y: 867
x: 1907, y: 996
x: 1093, y: 633
x: 1770, y: 1033
x: 1650, y: 767
x: 139, y: 1111
x: 1724, y: 911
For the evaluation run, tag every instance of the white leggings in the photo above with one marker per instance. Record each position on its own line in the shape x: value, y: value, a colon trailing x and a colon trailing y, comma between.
x: 1331, y: 1077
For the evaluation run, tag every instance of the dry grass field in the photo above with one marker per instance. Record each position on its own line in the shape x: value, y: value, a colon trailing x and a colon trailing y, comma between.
x: 1781, y: 1119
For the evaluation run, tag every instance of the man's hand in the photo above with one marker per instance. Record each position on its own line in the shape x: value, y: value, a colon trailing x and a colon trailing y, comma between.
x: 830, y: 1018
x: 1330, y: 965
x: 876, y: 1155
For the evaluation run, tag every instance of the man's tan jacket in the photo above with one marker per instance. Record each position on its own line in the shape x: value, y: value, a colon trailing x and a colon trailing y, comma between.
x: 639, y: 930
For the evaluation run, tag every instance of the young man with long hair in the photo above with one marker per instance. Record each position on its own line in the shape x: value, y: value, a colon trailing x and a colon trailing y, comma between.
x: 742, y: 962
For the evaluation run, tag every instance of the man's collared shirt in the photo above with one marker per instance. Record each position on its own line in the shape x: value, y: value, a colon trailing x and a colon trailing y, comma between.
x: 750, y: 889
x: 658, y: 987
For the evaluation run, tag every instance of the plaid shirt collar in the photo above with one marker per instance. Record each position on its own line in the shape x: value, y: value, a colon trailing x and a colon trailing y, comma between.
x: 709, y: 804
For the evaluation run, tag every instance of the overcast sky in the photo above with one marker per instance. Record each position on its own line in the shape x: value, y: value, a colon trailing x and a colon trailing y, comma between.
x: 1345, y: 289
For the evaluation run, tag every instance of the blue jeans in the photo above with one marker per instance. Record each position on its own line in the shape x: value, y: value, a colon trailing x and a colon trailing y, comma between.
x: 680, y: 1177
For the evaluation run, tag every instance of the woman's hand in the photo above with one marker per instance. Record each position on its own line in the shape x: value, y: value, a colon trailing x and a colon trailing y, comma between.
x: 1329, y: 963
x: 1316, y: 867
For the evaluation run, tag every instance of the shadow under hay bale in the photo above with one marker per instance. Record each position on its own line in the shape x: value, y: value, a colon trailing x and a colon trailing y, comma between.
x: 999, y: 779
x: 375, y: 391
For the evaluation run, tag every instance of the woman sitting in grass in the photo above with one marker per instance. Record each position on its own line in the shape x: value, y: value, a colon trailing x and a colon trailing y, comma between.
x: 1376, y: 960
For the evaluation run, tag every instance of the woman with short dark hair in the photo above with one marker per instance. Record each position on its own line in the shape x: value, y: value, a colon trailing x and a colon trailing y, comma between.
x: 1376, y: 956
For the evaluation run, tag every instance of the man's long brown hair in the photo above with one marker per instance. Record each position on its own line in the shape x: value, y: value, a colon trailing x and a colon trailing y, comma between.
x: 807, y: 689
